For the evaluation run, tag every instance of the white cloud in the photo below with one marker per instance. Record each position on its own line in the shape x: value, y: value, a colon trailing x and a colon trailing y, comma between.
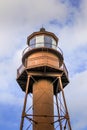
x: 9, y: 91
x: 76, y: 61
x: 33, y: 12
x: 10, y: 99
x: 40, y: 13
x: 73, y: 37
x: 73, y: 31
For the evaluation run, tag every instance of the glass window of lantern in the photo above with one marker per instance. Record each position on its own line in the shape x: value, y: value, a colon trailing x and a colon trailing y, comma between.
x: 54, y: 43
x: 48, y: 41
x: 32, y: 42
x: 40, y: 41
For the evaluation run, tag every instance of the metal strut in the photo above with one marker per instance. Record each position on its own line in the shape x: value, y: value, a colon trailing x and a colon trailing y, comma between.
x: 58, y: 108
x: 25, y: 101
x: 67, y: 114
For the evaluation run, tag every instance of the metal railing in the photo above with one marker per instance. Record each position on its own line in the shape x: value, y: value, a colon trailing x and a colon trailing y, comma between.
x: 63, y: 67
x: 22, y: 68
x: 52, y: 46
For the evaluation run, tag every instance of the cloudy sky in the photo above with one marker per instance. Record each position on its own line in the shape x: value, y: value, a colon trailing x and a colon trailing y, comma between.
x: 68, y: 20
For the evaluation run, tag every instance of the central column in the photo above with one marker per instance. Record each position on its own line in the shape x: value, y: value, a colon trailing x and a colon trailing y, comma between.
x: 43, y: 105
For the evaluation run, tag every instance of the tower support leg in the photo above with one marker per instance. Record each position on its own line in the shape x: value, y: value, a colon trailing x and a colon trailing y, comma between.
x: 67, y: 114
x: 58, y: 113
x: 25, y: 101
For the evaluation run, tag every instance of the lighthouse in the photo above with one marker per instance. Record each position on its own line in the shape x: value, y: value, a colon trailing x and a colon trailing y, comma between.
x: 44, y: 75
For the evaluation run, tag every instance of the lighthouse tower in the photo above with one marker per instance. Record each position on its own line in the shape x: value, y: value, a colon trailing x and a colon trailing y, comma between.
x: 44, y: 75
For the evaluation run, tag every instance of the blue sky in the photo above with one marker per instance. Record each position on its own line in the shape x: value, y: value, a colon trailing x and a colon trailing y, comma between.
x: 68, y: 20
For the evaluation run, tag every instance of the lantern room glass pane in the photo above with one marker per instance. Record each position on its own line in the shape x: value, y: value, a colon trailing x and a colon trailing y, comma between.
x: 48, y: 41
x: 32, y: 42
x: 40, y: 41
x: 54, y: 44
x: 43, y: 41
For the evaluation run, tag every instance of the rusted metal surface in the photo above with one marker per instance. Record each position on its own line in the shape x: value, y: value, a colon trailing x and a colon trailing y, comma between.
x: 43, y: 114
x: 43, y: 105
x: 44, y: 74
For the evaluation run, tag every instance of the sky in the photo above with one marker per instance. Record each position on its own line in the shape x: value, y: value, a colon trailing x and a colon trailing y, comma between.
x: 68, y: 20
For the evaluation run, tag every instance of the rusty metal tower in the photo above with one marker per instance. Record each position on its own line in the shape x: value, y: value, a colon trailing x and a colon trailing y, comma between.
x: 43, y: 75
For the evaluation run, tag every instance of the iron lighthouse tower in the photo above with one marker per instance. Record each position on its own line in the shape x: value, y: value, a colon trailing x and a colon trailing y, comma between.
x: 44, y: 75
